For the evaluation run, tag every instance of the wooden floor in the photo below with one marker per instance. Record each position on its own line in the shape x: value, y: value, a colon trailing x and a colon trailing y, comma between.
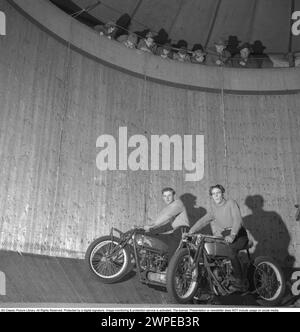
x: 39, y: 279
x: 32, y: 279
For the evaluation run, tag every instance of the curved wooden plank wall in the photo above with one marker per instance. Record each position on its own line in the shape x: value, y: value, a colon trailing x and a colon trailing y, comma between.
x: 56, y: 102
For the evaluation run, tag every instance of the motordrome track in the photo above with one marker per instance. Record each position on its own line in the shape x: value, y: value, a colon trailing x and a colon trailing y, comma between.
x: 38, y: 280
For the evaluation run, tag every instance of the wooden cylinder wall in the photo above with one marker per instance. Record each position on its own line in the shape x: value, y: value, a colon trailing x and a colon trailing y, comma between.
x: 55, y: 103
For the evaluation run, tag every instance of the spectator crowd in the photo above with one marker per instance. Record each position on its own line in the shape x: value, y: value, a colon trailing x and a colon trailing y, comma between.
x: 228, y: 52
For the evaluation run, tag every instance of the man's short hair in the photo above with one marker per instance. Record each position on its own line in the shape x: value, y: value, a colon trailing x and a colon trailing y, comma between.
x: 165, y: 190
x: 217, y: 186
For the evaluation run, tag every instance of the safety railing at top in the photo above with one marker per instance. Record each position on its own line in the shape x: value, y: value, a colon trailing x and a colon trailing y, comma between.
x: 231, y: 56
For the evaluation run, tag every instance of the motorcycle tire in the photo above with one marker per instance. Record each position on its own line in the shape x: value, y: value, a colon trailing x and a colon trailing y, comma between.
x: 176, y: 276
x: 108, y: 270
x: 268, y: 281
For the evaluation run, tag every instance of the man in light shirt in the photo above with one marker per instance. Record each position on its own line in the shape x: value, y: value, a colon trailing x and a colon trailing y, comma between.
x: 170, y: 223
x: 226, y: 220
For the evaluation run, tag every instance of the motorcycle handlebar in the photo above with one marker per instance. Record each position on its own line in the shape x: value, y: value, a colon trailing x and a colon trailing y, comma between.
x: 187, y: 235
x: 139, y: 229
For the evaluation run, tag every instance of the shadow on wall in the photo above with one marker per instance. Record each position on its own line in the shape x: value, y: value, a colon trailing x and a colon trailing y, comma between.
x: 194, y: 212
x: 270, y: 233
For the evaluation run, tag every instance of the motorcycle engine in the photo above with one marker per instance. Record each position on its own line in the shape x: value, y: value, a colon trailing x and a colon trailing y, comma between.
x: 223, y: 272
x: 151, y: 261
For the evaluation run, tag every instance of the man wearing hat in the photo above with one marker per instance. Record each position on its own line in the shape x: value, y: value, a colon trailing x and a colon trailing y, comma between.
x: 244, y: 58
x: 165, y: 51
x: 148, y: 44
x: 182, y: 55
x: 130, y: 41
x: 261, y: 58
x: 108, y: 30
x: 233, y: 45
x: 221, y: 55
x: 198, y: 55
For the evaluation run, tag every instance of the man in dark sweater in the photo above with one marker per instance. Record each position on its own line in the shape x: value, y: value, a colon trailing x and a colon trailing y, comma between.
x: 226, y: 220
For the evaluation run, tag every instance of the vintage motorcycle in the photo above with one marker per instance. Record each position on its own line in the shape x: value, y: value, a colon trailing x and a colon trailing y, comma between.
x: 201, y: 266
x: 111, y: 258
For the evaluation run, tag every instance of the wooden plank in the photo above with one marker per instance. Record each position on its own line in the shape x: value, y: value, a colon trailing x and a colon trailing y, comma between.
x: 40, y: 279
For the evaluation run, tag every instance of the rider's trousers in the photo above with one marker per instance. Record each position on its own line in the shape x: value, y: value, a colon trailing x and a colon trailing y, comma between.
x: 172, y: 240
x: 240, y: 243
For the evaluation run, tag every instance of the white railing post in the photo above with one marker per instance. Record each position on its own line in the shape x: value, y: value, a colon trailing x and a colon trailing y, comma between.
x: 2, y: 284
x: 2, y: 24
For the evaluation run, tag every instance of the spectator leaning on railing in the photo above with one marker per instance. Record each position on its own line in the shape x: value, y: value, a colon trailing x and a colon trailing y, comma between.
x: 108, y: 30
x: 165, y: 51
x: 244, y: 59
x: 262, y: 59
x: 182, y: 55
x: 233, y: 45
x: 225, y: 52
x: 148, y: 44
x: 130, y: 41
x: 222, y: 55
x: 198, y: 55
x: 123, y: 25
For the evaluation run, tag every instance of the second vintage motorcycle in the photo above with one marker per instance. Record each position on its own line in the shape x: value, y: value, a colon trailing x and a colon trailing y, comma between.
x: 111, y: 258
x: 201, y: 265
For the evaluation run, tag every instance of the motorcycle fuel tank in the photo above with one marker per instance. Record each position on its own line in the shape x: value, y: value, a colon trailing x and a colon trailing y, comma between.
x: 217, y: 249
x: 147, y: 241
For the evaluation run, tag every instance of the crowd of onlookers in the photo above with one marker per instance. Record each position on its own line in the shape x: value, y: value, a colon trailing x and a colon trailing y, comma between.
x: 226, y: 51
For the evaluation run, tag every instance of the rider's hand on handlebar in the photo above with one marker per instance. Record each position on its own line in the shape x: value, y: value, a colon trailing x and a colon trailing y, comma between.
x: 186, y: 235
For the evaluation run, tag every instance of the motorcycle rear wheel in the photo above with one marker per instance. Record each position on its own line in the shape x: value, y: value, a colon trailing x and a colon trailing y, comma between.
x: 108, y: 269
x: 269, y: 282
x: 182, y: 278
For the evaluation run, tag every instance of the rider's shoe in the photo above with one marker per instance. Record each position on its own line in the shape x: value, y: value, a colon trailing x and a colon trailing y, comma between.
x: 201, y: 297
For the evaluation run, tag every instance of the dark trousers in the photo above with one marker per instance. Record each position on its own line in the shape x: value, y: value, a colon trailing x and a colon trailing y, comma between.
x: 171, y: 240
x: 240, y: 243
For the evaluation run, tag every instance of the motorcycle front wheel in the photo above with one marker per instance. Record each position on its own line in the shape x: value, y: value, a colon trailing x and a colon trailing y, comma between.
x: 269, y: 282
x: 182, y: 276
x: 106, y: 261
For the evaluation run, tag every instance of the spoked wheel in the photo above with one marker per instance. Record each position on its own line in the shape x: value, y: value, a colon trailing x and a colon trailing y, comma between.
x: 107, y: 260
x: 182, y: 278
x: 269, y: 282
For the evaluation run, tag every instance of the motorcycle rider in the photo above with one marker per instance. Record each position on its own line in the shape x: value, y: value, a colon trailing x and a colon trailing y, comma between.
x: 170, y: 223
x: 226, y: 220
